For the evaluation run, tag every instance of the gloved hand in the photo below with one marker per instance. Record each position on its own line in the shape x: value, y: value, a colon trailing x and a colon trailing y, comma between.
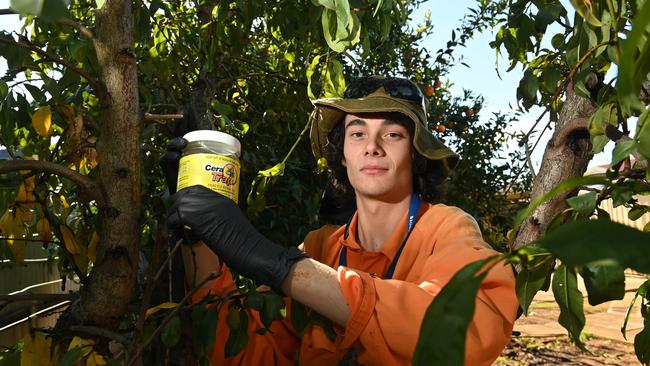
x: 222, y: 226
x: 169, y: 162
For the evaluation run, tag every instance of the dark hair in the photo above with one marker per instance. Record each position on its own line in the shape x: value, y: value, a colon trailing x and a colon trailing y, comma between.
x: 428, y: 179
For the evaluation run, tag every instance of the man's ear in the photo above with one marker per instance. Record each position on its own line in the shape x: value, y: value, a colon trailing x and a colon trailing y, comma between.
x: 343, y: 162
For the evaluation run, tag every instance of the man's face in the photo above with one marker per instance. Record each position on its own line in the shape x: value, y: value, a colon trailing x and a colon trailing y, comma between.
x: 377, y: 156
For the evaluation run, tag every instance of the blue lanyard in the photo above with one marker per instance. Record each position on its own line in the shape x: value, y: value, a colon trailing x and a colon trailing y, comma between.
x: 414, y: 207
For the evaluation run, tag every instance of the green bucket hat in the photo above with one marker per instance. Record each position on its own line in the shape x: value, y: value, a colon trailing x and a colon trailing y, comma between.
x: 378, y: 94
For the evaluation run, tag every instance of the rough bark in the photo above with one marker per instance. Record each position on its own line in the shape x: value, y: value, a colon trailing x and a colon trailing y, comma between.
x: 105, y: 297
x: 566, y: 156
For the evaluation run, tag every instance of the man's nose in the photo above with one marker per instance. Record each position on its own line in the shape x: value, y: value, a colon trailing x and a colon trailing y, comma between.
x: 373, y: 147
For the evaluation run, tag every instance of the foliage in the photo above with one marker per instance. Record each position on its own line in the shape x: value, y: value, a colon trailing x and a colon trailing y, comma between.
x: 601, y: 36
x: 248, y: 68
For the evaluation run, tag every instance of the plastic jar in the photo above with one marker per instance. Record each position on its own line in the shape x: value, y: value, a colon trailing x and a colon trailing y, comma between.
x: 211, y: 159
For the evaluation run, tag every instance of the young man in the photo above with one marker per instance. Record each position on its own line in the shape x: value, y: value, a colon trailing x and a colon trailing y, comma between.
x: 374, y: 277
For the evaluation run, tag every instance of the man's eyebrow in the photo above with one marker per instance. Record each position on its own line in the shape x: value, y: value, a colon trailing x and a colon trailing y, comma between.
x: 386, y: 122
x: 390, y: 122
x: 356, y: 122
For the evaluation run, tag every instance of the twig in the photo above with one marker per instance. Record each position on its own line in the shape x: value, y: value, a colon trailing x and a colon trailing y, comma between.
x: 86, y: 329
x: 169, y: 317
x: 169, y: 258
x: 84, y: 182
x: 28, y: 46
x: 80, y: 28
x: 162, y: 117
x: 7, y: 12
x: 146, y: 299
x: 25, y: 239
x: 10, y: 151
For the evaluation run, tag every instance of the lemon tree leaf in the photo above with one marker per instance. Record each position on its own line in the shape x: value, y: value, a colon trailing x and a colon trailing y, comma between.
x: 37, y: 351
x: 155, y: 309
x: 69, y: 240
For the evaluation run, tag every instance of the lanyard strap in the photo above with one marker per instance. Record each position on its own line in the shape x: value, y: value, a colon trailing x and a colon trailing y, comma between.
x: 414, y: 207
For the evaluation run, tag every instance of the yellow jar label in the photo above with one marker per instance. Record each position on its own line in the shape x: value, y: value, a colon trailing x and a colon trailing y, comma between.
x: 217, y: 172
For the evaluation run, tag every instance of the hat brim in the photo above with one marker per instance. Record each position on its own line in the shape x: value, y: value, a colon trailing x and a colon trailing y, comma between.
x: 328, y: 112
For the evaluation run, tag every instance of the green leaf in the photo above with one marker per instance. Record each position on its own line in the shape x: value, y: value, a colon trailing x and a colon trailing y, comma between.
x: 46, y: 9
x: 584, y: 203
x: 275, y: 171
x: 567, y: 185
x: 334, y: 81
x: 621, y: 195
x: 309, y: 73
x: 598, y: 143
x: 557, y: 41
x: 569, y: 299
x: 528, y: 282
x: 604, y: 282
x: 585, y: 11
x: 444, y: 328
x: 635, y: 62
x: 272, y: 310
x: 581, y: 242
x: 70, y: 357
x: 100, y: 3
x: 641, y: 291
x: 551, y: 77
x: 636, y: 212
x: 642, y: 135
x: 528, y: 87
x: 238, y: 338
x: 171, y: 333
x: 204, y: 325
x: 254, y: 300
x: 642, y: 343
x: 622, y: 150
x: 299, y: 317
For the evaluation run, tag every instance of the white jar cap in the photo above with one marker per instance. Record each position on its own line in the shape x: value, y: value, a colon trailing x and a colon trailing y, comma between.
x: 211, y: 135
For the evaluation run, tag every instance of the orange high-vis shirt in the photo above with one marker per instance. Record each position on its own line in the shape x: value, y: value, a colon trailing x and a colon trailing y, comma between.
x: 386, y: 314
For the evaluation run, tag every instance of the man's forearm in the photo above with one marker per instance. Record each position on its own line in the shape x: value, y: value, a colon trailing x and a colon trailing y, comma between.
x: 199, y: 262
x: 316, y: 285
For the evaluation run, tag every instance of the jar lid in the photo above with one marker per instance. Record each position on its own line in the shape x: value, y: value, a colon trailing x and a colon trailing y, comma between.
x: 211, y: 135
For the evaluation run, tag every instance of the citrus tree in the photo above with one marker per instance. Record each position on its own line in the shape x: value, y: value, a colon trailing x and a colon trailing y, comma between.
x: 589, y: 72
x: 95, y: 89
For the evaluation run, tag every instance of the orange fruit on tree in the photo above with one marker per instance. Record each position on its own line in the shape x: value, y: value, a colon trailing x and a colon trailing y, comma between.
x: 437, y: 84
x: 469, y: 112
x: 428, y: 90
x: 441, y: 128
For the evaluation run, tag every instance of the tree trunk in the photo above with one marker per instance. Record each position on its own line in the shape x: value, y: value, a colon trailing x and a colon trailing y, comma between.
x: 110, y: 287
x: 566, y: 156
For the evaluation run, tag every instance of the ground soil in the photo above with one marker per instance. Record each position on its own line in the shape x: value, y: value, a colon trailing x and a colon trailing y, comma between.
x: 557, y: 350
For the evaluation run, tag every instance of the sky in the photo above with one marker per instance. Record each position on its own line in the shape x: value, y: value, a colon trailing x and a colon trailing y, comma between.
x: 481, y: 76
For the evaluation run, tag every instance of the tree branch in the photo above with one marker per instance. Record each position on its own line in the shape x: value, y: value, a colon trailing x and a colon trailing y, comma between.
x: 80, y: 28
x: 161, y: 117
x: 169, y: 316
x: 85, y: 183
x: 29, y: 46
x: 7, y: 12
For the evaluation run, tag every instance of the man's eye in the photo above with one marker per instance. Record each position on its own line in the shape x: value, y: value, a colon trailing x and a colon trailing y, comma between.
x: 393, y: 135
x: 356, y: 134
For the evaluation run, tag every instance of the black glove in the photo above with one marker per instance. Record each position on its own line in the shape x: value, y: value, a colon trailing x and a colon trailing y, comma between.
x: 220, y: 224
x: 169, y: 161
